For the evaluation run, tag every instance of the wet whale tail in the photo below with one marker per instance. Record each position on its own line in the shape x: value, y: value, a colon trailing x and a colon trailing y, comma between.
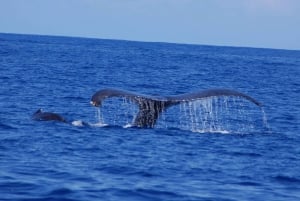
x: 151, y: 107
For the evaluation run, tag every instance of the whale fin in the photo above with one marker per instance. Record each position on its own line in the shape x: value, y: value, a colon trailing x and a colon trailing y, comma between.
x: 151, y: 107
x: 38, y: 111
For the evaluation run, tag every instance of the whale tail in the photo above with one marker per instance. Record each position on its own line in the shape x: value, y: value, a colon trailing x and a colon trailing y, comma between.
x: 149, y: 111
x: 151, y: 107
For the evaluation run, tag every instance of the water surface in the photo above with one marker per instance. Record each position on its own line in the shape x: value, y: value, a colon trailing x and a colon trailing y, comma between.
x: 173, y: 161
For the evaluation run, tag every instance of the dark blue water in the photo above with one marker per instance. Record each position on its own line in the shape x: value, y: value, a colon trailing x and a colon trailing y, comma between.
x: 242, y: 158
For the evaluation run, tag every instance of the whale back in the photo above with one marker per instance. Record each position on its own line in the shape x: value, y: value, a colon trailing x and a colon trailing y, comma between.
x: 39, y: 115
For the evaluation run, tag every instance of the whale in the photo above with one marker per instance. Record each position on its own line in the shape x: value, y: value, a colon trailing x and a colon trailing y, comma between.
x: 39, y: 115
x: 150, y: 107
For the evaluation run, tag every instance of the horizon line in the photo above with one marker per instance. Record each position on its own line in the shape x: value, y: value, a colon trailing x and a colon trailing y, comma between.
x: 147, y: 41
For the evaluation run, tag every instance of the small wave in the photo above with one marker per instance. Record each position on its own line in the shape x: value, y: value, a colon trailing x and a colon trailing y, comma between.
x: 287, y: 179
x: 160, y: 193
x: 6, y: 126
x: 246, y: 154
x: 60, y: 191
x: 248, y: 183
x: 143, y: 194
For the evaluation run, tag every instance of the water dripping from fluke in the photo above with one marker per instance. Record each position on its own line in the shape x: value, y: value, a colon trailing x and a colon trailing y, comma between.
x: 216, y: 115
x: 100, y: 119
x: 116, y: 112
x: 266, y: 124
x: 209, y: 111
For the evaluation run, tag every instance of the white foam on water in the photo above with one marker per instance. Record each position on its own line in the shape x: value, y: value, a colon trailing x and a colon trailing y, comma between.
x: 128, y: 126
x: 212, y: 131
x: 78, y: 123
x: 99, y: 124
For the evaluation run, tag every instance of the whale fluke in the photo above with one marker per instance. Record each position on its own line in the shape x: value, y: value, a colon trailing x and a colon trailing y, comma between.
x: 150, y: 107
x: 39, y: 115
x: 211, y: 93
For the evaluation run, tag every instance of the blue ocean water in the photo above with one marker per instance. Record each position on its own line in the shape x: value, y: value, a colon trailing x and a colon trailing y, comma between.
x: 238, y: 156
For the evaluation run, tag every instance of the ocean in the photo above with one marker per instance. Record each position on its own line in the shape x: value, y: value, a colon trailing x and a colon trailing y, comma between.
x: 216, y: 148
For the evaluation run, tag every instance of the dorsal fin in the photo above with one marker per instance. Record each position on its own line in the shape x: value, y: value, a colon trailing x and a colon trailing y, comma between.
x: 38, y: 111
